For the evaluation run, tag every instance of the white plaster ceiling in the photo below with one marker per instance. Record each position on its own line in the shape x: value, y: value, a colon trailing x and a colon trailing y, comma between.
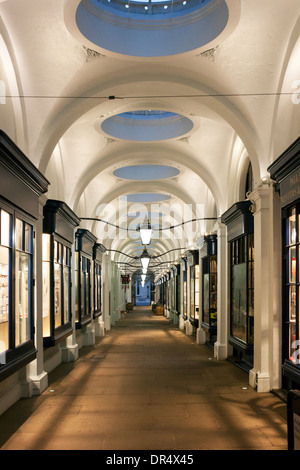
x: 233, y: 95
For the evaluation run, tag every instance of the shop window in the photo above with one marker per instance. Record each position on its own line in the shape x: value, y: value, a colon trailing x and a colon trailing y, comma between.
x: 195, y: 295
x: 184, y: 295
x: 97, y: 287
x: 242, y: 288
x: 16, y: 287
x: 209, y: 294
x: 85, y: 242
x: 292, y: 286
x: 56, y: 289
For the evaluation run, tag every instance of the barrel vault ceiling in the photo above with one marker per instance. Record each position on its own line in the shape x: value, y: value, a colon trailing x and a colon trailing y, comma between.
x: 82, y: 113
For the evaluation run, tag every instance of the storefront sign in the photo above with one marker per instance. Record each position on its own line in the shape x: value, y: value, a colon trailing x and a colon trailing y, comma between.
x: 240, y: 226
x: 290, y: 188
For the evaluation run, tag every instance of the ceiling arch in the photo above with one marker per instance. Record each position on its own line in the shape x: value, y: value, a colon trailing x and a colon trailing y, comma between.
x: 93, y: 99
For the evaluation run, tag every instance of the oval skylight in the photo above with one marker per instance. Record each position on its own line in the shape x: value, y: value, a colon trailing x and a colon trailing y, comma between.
x: 151, y: 28
x: 147, y: 125
x: 146, y: 172
x: 145, y: 198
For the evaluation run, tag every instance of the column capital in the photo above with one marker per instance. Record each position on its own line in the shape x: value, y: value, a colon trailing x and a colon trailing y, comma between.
x: 260, y: 197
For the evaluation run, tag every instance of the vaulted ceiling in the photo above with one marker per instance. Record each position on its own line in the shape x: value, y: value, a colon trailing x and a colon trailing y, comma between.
x: 82, y: 105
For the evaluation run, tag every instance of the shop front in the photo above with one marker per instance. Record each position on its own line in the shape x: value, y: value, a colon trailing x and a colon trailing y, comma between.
x: 240, y: 237
x: 21, y: 187
x: 208, y: 260
x: 194, y: 286
x: 285, y: 171
x: 58, y: 239
x: 84, y: 246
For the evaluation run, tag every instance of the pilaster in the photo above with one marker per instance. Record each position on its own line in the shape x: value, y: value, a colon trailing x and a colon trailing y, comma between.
x: 221, y: 345
x: 266, y: 290
x: 37, y: 379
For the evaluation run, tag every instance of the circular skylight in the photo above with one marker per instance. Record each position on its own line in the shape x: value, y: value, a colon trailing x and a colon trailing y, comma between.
x: 151, y: 28
x: 146, y: 198
x: 147, y: 125
x: 146, y: 172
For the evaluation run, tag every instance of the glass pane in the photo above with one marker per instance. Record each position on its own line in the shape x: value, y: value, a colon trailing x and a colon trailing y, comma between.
x: 292, y: 303
x: 19, y: 234
x: 4, y: 300
x: 76, y: 296
x: 22, y: 298
x: 206, y: 298
x: 28, y: 238
x: 192, y: 291
x: 293, y: 344
x: 213, y: 264
x: 184, y: 298
x: 239, y: 302
x: 46, y: 247
x: 57, y: 294
x: 292, y: 227
x: 292, y: 264
x: 5, y: 228
x: 46, y: 299
x: 82, y: 287
x: 66, y: 294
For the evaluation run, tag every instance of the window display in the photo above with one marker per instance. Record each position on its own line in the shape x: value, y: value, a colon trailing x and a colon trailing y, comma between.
x: 16, y: 328
x: 84, y: 247
x: 194, y: 294
x: 58, y: 237
x: 242, y: 288
x: 293, y: 283
x: 209, y: 294
x: 21, y: 187
x: 5, y: 278
x: 97, y: 282
x: 240, y: 235
x: 285, y: 171
x: 23, y: 296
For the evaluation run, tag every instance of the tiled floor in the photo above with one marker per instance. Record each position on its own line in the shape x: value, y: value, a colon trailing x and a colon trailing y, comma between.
x: 146, y: 386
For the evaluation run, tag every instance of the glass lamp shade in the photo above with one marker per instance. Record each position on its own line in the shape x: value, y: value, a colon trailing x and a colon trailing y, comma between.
x: 146, y: 235
x: 145, y: 258
x: 145, y: 262
x: 143, y: 276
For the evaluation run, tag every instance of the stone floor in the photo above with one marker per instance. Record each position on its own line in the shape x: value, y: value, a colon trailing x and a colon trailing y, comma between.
x: 146, y: 386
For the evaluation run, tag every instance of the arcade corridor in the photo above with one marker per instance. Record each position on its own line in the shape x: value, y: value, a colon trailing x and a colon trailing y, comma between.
x: 146, y: 385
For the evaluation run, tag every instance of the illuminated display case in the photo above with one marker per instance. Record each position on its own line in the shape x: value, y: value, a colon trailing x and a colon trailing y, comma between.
x: 58, y: 237
x: 194, y: 283
x: 240, y: 236
x: 285, y: 171
x: 184, y: 288
x: 208, y: 260
x: 177, y: 289
x: 21, y: 186
x: 84, y: 246
x: 98, y: 251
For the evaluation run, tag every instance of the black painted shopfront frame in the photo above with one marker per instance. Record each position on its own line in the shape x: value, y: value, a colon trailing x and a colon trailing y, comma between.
x: 21, y: 186
x: 208, y: 258
x: 240, y: 236
x: 84, y: 245
x: 58, y: 231
x: 285, y: 172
